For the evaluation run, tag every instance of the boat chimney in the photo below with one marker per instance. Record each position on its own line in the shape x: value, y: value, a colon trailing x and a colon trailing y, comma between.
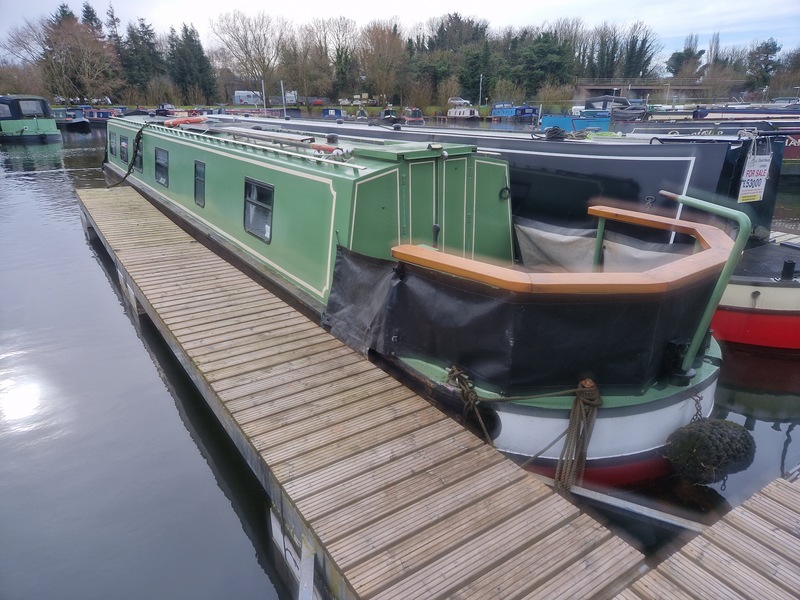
x: 787, y: 274
x: 332, y: 138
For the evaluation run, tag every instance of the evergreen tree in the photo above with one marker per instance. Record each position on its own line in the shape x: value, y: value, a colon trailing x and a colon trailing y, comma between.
x: 189, y: 67
x: 762, y: 62
x: 543, y: 61
x: 141, y: 60
x: 90, y: 19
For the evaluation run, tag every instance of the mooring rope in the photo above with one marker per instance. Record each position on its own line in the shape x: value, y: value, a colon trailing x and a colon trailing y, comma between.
x: 137, y: 142
x: 572, y: 462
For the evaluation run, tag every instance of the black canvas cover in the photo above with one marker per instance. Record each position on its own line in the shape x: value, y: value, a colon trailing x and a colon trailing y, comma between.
x: 508, y: 341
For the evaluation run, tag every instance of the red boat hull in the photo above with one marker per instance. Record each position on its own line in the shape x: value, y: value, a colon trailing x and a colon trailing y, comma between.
x: 757, y: 328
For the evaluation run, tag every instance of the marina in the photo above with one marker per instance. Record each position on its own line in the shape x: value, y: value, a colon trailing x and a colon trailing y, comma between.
x: 732, y: 481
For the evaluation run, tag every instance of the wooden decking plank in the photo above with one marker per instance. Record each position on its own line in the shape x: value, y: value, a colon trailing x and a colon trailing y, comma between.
x: 289, y: 417
x: 748, y: 551
x: 654, y: 586
x: 190, y: 295
x: 267, y: 358
x: 245, y: 346
x: 177, y: 299
x: 155, y: 263
x: 252, y: 318
x: 476, y: 554
x: 758, y: 529
x: 599, y: 574
x: 199, y: 314
x: 679, y: 568
x: 242, y: 389
x: 355, y: 515
x: 245, y: 333
x: 312, y: 439
x: 737, y: 575
x: 555, y: 550
x: 193, y: 337
x: 774, y: 512
x: 334, y: 419
x: 278, y: 412
x: 297, y: 466
x: 784, y: 493
x: 443, y: 536
x: 400, y: 469
x: 466, y: 546
x: 379, y: 536
x: 200, y: 311
x: 358, y: 464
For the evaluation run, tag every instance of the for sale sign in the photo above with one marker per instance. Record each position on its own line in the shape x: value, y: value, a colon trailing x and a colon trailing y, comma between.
x: 754, y: 178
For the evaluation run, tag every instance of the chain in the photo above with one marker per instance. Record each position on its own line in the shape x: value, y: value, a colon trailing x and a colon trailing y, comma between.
x: 698, y: 408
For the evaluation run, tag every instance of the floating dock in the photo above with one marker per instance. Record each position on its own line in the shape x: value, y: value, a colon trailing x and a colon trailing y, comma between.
x: 752, y: 552
x: 376, y: 493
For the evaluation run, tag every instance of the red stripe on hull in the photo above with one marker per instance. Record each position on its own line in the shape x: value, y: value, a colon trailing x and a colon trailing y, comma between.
x: 781, y: 330
x: 619, y: 472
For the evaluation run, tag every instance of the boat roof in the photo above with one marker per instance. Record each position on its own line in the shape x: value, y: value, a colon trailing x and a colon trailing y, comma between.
x: 249, y: 131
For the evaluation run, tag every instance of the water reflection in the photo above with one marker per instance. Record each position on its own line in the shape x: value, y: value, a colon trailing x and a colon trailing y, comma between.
x: 110, y: 486
x: 18, y: 400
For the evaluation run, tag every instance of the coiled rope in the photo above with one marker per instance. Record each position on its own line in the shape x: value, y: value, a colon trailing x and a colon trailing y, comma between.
x: 572, y: 462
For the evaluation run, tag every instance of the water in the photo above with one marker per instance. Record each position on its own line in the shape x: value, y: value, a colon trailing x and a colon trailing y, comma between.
x: 115, y: 480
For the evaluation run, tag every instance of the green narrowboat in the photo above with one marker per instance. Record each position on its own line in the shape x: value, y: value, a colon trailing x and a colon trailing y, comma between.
x: 410, y: 251
x: 27, y: 120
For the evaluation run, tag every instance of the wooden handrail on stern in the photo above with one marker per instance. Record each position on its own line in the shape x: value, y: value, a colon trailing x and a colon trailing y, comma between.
x: 715, y: 247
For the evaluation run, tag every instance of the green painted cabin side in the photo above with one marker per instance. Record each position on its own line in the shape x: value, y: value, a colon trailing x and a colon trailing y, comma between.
x: 288, y: 208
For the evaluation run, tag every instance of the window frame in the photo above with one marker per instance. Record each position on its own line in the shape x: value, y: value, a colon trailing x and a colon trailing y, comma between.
x: 265, y: 204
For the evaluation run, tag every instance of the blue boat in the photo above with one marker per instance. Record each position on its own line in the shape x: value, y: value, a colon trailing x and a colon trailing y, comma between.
x: 503, y: 112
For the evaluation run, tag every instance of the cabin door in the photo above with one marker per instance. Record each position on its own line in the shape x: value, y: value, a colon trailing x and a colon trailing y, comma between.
x: 423, y: 193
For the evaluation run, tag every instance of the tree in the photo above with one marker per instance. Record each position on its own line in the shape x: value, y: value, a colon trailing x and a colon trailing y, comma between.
x: 686, y: 63
x: 544, y: 61
x: 189, y: 68
x: 79, y: 63
x: 90, y: 19
x: 304, y: 61
x: 342, y: 40
x: 382, y: 55
x: 254, y: 43
x: 141, y: 60
x: 639, y: 49
x: 112, y: 26
x: 762, y: 62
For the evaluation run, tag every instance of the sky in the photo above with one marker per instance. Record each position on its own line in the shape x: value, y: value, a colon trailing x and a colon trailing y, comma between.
x: 738, y: 22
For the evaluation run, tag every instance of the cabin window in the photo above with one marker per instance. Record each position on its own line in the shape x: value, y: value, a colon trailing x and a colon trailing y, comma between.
x: 112, y: 143
x: 5, y: 111
x: 137, y: 154
x: 258, y: 200
x: 199, y: 183
x: 31, y: 108
x: 162, y: 167
x: 123, y: 148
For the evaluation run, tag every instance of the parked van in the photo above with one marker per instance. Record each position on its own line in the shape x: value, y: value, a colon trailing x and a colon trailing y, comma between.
x: 247, y: 97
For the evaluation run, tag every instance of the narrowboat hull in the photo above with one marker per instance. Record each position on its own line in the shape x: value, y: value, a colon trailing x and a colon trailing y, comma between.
x: 27, y: 120
x: 761, y: 304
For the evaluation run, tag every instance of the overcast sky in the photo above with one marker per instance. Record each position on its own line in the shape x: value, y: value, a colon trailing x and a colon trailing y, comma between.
x: 739, y: 22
